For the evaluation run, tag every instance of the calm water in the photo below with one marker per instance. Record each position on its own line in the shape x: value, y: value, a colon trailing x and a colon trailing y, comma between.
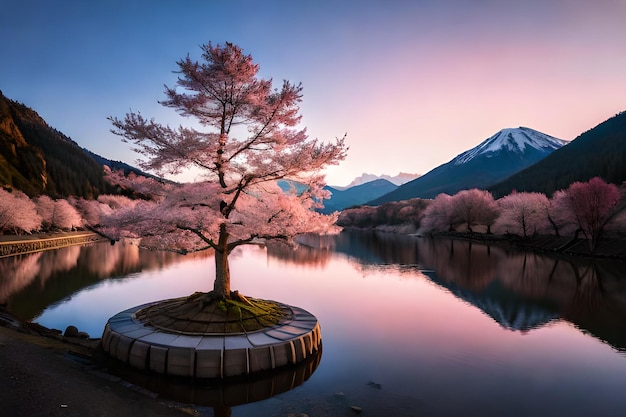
x: 410, y: 326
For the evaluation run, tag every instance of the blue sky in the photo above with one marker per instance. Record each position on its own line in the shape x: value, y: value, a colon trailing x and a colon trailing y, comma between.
x: 412, y: 83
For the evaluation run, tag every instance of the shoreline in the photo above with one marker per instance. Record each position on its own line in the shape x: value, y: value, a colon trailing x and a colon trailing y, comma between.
x: 44, y: 373
x: 11, y: 245
x: 607, y: 248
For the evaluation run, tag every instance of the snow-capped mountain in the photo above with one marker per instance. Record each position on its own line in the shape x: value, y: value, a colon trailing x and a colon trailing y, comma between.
x: 493, y: 160
x: 597, y: 152
x: 401, y: 178
x: 512, y: 140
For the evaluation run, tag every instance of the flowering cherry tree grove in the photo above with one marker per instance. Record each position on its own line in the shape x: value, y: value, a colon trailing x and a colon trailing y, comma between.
x: 593, y: 204
x: 524, y: 213
x: 248, y: 139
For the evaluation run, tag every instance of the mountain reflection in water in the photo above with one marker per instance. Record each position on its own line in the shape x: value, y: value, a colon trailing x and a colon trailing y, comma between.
x: 520, y: 290
x: 410, y: 326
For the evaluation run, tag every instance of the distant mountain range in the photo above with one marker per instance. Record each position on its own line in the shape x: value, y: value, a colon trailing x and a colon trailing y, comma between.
x: 356, y: 195
x: 495, y: 159
x: 38, y: 159
x: 399, y: 179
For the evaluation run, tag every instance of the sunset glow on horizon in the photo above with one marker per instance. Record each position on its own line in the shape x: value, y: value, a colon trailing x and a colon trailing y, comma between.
x: 411, y: 83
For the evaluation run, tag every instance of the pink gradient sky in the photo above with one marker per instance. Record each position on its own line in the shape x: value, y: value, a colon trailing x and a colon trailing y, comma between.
x: 412, y: 83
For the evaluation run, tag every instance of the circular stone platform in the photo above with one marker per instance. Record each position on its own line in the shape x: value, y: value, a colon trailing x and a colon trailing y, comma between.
x: 129, y: 338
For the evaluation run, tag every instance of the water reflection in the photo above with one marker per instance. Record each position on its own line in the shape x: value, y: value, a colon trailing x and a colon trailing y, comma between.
x: 444, y: 327
x: 222, y: 396
x: 520, y: 290
x: 32, y: 282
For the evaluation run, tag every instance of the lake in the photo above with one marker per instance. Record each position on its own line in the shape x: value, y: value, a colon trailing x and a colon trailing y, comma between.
x: 410, y: 326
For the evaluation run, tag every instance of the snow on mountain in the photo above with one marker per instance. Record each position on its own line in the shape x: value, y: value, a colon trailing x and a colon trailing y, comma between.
x: 399, y: 179
x: 507, y: 152
x: 513, y: 140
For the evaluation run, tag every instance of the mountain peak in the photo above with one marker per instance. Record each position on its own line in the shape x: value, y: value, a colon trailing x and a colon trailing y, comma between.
x: 517, y: 140
x: 399, y: 179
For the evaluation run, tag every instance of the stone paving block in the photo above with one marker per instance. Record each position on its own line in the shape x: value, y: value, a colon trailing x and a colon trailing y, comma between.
x: 260, y: 359
x: 308, y: 343
x: 164, y: 322
x: 283, y: 354
x: 317, y: 331
x: 138, y: 357
x: 260, y: 339
x: 185, y: 341
x: 181, y: 362
x: 211, y: 343
x: 159, y: 338
x: 304, y: 324
x: 198, y: 328
x: 123, y: 316
x: 123, y: 348
x: 300, y: 312
x: 294, y: 331
x: 236, y: 362
x: 158, y: 359
x: 106, y: 337
x: 278, y: 335
x: 299, y: 348
x: 236, y: 342
x: 140, y: 332
x: 209, y: 363
x: 123, y: 327
x: 130, y: 311
x: 115, y: 338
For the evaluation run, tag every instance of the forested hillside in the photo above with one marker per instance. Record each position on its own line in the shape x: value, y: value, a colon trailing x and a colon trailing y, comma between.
x: 599, y: 152
x: 38, y: 159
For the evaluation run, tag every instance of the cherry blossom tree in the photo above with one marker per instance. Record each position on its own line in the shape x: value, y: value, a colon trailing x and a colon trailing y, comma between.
x: 523, y: 213
x: 437, y: 216
x: 91, y: 211
x: 66, y: 217
x: 45, y: 208
x: 474, y: 207
x: 247, y: 137
x: 467, y: 208
x: 560, y: 215
x: 59, y: 214
x: 18, y: 212
x: 593, y: 204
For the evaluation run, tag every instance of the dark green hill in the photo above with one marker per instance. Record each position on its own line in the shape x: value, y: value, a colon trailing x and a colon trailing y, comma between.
x: 38, y: 159
x: 21, y: 165
x: 600, y: 151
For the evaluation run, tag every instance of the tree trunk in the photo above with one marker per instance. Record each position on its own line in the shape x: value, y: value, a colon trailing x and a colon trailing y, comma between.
x: 554, y: 226
x: 221, y: 286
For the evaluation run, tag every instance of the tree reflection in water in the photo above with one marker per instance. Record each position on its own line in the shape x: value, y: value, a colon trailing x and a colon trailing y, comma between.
x: 221, y: 394
x: 521, y: 290
x: 486, y: 347
x: 34, y: 281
